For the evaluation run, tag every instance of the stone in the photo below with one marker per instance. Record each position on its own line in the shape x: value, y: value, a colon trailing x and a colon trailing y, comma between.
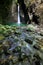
x: 31, y: 27
x: 1, y: 37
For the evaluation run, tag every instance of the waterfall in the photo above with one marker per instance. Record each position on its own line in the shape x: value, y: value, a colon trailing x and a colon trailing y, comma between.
x: 13, y: 5
x: 18, y: 15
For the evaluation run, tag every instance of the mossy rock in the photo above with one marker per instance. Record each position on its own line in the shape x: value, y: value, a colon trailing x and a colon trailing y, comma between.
x: 28, y: 40
x: 30, y: 27
x: 2, y: 37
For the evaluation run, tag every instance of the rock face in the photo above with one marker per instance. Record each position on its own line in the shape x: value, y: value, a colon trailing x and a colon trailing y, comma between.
x: 13, y: 13
x: 40, y: 13
x: 39, y: 9
x: 13, y: 10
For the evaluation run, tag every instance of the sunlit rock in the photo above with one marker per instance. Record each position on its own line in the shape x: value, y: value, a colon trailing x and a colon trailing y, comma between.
x: 31, y: 27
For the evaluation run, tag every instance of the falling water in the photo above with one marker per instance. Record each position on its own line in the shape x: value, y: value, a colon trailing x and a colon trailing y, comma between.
x: 18, y: 15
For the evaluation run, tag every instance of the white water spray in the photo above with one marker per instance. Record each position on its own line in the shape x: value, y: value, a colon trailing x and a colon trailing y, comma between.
x: 18, y: 15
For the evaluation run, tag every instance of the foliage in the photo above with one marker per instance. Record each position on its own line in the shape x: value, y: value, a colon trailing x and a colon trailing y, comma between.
x: 4, y: 9
x: 14, y: 48
x: 6, y: 29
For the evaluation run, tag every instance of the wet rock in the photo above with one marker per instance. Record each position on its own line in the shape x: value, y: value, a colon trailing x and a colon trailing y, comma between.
x: 36, y: 47
x: 29, y: 39
x: 17, y: 32
x: 39, y: 43
x: 41, y: 33
x: 31, y: 27
x: 2, y: 37
x: 19, y: 45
